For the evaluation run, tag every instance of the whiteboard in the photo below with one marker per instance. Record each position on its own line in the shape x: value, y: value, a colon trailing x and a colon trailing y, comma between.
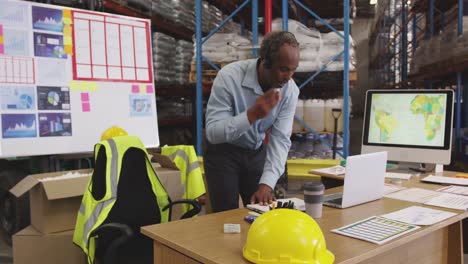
x: 66, y: 75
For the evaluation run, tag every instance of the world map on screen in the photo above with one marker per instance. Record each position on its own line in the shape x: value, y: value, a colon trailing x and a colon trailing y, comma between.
x: 408, y: 119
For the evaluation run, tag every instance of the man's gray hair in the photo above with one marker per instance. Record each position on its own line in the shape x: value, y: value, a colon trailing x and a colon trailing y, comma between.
x: 272, y: 43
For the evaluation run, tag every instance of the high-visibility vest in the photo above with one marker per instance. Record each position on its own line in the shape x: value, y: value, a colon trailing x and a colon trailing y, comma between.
x: 186, y: 160
x: 93, y: 213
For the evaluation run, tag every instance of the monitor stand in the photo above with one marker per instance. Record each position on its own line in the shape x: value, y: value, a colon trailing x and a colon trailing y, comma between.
x: 419, y: 167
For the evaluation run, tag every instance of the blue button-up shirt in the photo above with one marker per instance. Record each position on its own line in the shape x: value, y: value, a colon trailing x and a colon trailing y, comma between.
x: 234, y: 91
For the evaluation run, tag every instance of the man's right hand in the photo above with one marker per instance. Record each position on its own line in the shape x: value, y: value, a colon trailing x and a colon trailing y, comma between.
x: 263, y: 105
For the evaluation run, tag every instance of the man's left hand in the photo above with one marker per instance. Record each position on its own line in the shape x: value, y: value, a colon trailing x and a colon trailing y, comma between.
x: 264, y: 195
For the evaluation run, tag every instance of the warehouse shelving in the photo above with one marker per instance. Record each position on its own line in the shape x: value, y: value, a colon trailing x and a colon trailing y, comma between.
x: 336, y: 8
x: 399, y: 30
x: 330, y: 9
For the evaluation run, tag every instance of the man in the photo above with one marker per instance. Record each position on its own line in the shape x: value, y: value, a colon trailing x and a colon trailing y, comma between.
x: 247, y: 99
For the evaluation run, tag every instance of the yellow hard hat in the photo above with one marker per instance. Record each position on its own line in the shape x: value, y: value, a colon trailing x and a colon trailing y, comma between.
x: 113, y: 131
x: 286, y: 236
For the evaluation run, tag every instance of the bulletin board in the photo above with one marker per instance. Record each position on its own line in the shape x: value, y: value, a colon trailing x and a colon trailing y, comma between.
x: 66, y: 75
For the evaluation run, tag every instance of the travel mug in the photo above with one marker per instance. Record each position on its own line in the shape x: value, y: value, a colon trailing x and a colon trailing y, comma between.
x: 313, y: 198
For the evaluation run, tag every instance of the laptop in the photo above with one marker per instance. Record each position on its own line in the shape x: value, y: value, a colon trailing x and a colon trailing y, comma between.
x: 363, y: 181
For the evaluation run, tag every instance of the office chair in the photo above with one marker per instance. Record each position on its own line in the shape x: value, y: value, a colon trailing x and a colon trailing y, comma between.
x: 118, y: 238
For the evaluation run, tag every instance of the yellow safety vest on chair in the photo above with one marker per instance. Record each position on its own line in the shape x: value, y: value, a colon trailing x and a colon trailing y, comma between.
x: 92, y: 212
x: 186, y: 160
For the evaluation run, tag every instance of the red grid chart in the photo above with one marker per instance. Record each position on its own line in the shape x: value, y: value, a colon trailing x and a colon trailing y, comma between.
x: 110, y: 48
x: 17, y: 70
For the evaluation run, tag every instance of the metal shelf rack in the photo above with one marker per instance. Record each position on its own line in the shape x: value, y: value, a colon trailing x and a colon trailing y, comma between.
x: 398, y: 32
x: 306, y: 8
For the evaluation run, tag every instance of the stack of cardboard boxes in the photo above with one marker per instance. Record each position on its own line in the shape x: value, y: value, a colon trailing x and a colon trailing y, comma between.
x: 54, y: 204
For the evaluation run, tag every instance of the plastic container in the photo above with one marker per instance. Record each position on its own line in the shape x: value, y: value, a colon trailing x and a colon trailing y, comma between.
x: 314, y: 114
x: 300, y: 152
x: 308, y: 145
x: 329, y: 119
x: 297, y: 127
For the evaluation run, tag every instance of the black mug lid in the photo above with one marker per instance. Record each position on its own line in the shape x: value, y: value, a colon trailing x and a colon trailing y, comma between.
x: 314, y: 186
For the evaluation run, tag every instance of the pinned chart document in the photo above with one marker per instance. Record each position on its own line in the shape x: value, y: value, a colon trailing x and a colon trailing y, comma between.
x: 417, y: 215
x: 376, y: 229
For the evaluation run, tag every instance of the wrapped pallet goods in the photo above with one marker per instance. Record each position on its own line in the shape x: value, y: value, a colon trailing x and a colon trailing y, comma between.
x: 317, y: 49
x: 179, y: 11
x: 227, y: 47
x: 183, y: 57
x: 164, y: 56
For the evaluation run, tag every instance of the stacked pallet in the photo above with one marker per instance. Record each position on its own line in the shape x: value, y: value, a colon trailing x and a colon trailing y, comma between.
x: 208, y: 72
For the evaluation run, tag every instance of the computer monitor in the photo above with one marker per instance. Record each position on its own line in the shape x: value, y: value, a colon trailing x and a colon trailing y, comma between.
x: 411, y: 125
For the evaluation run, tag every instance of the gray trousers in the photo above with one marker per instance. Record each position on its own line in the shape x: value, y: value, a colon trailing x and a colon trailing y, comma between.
x: 231, y: 170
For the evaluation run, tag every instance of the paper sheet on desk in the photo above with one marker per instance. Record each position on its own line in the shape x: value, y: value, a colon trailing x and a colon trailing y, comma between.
x: 460, y: 190
x: 391, y: 188
x: 449, y: 200
x: 446, y: 180
x: 417, y: 215
x: 397, y: 175
x: 298, y: 205
x: 330, y: 171
x: 416, y: 195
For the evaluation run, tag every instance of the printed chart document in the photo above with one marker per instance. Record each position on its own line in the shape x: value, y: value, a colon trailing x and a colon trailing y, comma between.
x: 449, y: 200
x: 330, y: 171
x: 417, y: 215
x: 376, y: 229
x: 446, y: 180
x: 460, y: 190
x: 416, y: 195
x: 298, y: 205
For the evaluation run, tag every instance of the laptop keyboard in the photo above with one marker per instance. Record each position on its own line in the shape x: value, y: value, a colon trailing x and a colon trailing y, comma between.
x: 334, y: 198
x: 335, y: 201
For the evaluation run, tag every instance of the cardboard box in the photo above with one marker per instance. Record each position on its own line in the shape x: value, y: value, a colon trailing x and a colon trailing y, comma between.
x: 30, y: 246
x: 54, y: 203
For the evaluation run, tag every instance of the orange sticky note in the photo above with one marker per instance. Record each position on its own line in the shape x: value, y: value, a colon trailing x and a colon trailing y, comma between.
x: 93, y: 86
x: 461, y: 175
x: 66, y: 13
x: 68, y: 49
x: 66, y: 17
x: 67, y: 30
x: 1, y: 39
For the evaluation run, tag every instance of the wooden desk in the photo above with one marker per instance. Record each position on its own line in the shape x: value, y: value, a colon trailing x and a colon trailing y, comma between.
x: 201, y: 239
